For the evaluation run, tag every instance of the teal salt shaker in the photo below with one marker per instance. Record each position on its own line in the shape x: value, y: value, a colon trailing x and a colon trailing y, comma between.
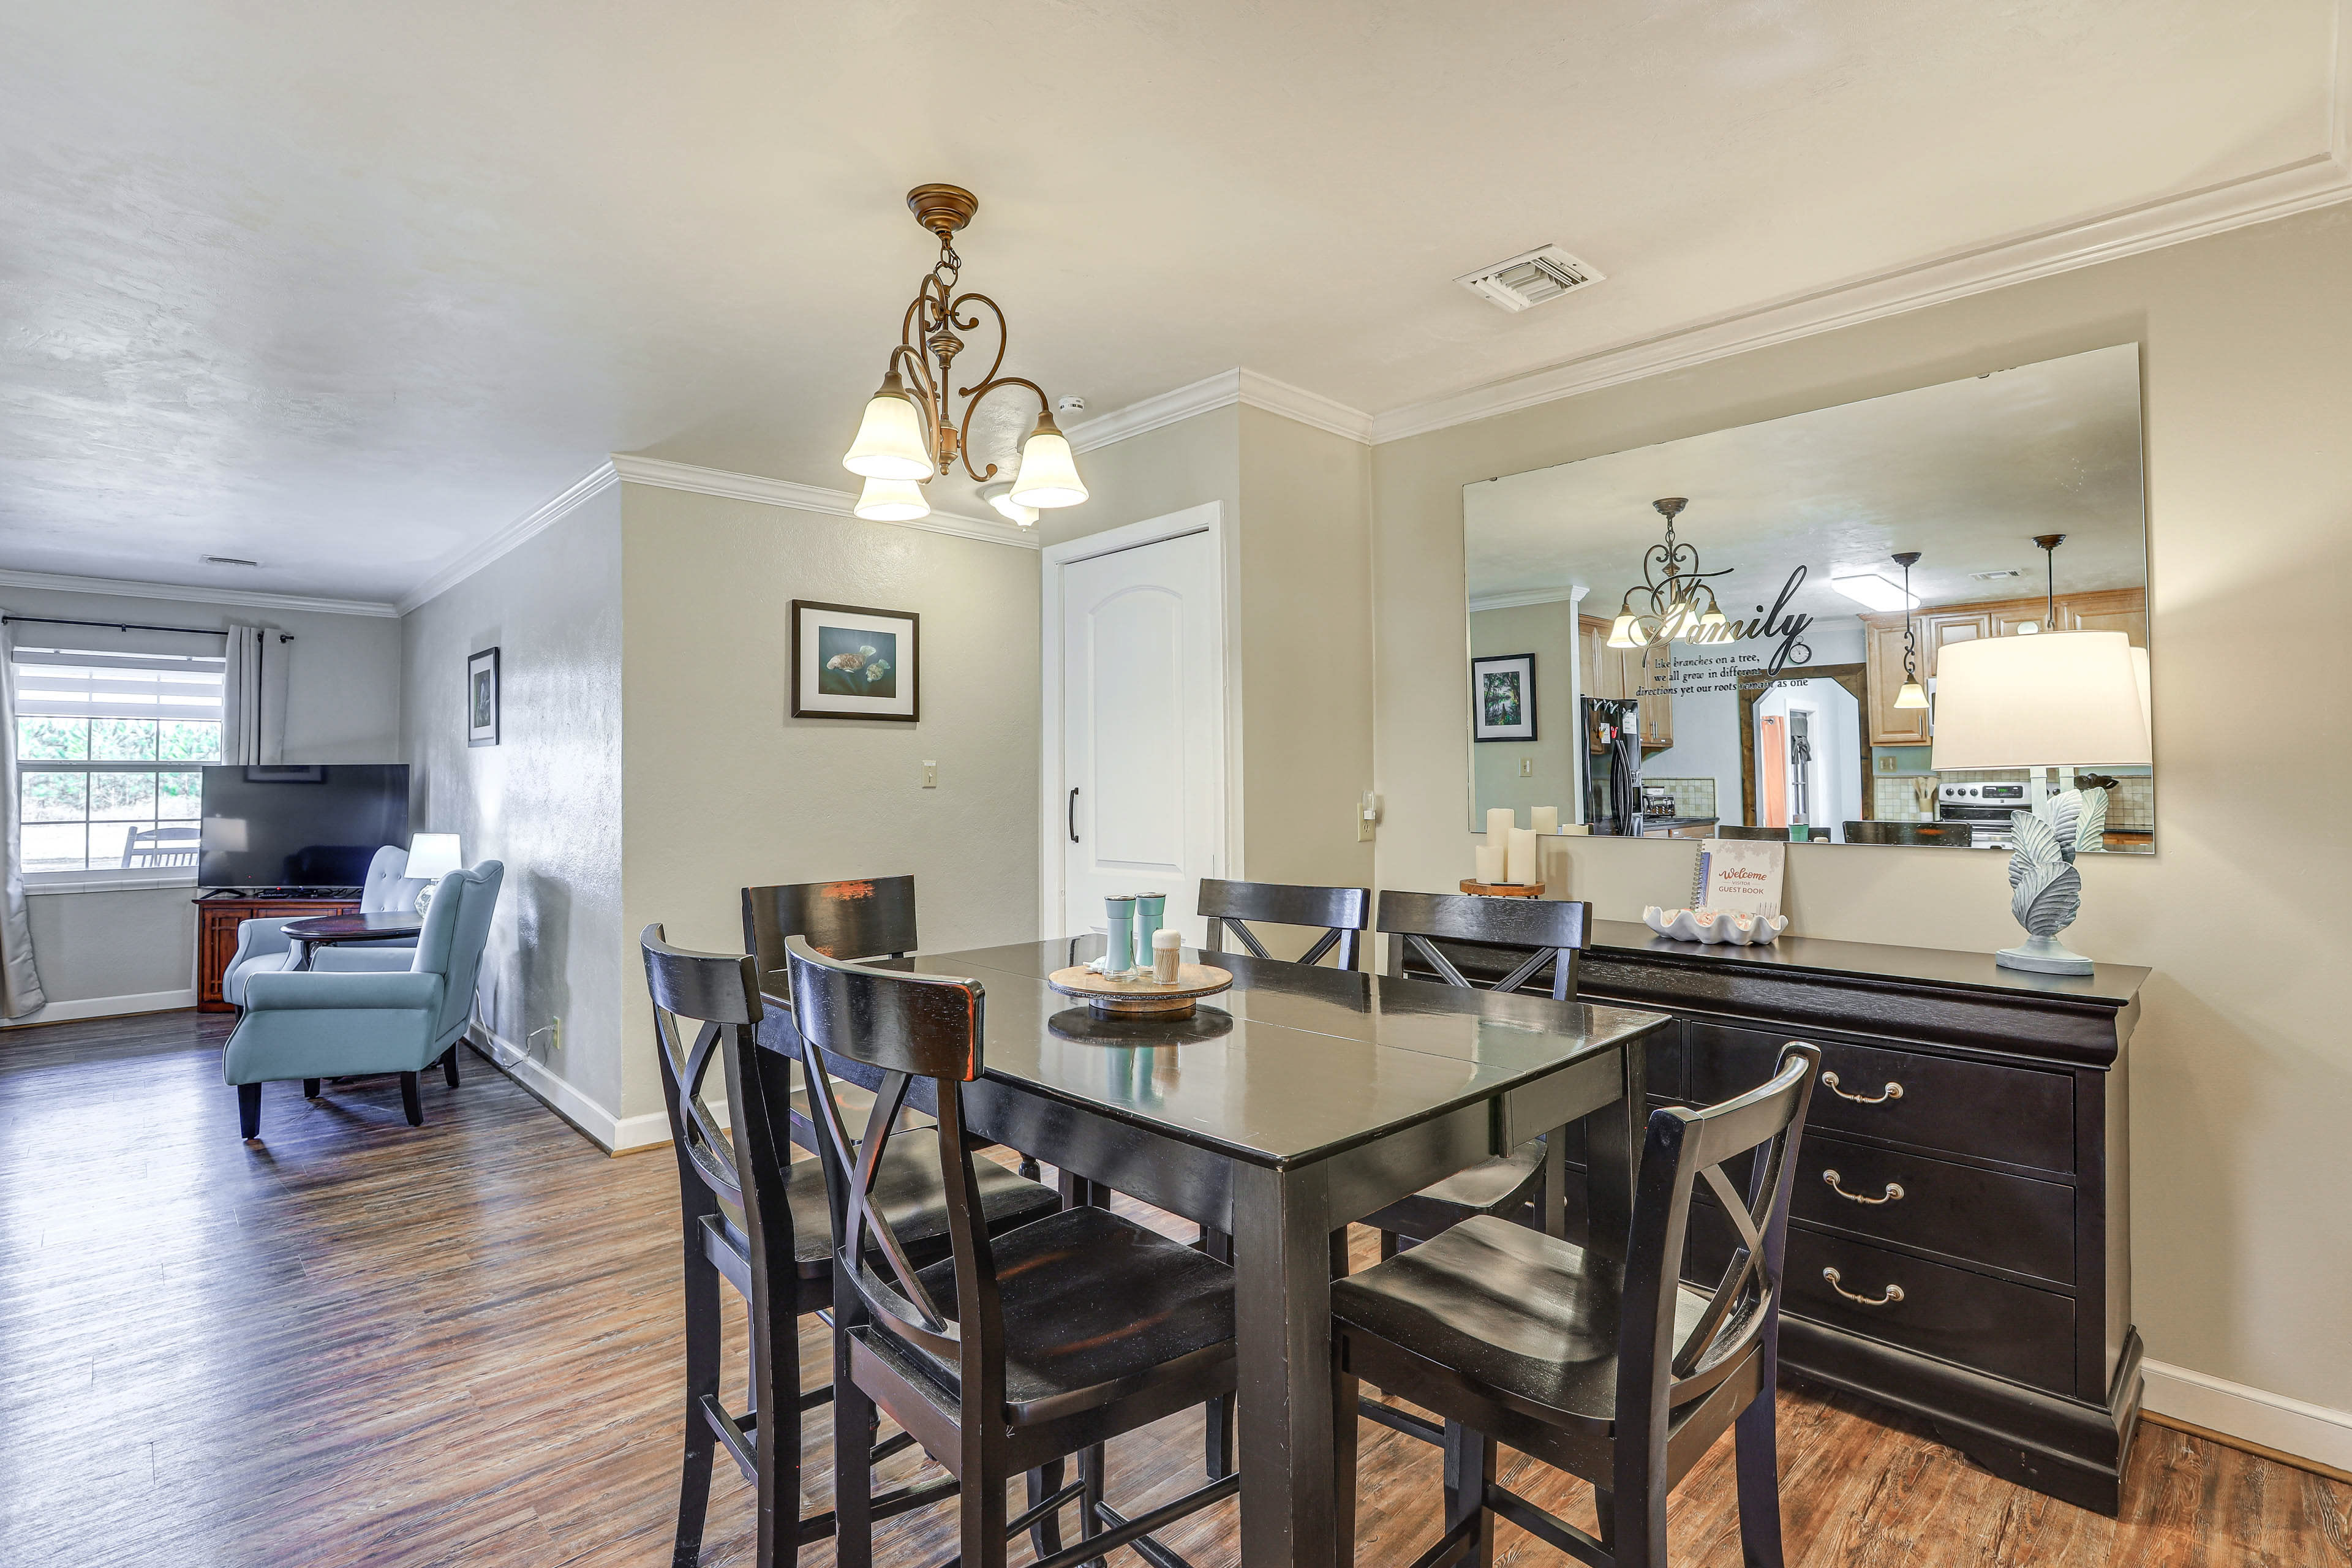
x: 1148, y: 909
x: 1119, y: 952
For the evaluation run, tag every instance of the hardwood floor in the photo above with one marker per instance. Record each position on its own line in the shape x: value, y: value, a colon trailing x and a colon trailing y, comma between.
x: 359, y: 1343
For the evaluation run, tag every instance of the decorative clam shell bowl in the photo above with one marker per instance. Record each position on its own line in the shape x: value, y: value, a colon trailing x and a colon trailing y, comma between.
x: 1715, y: 925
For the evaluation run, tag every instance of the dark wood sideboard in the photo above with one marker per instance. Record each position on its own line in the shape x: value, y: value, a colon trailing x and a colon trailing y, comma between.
x: 216, y: 924
x: 1990, y: 1191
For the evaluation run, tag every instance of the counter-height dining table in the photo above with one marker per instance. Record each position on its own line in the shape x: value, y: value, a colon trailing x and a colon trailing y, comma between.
x: 1299, y: 1101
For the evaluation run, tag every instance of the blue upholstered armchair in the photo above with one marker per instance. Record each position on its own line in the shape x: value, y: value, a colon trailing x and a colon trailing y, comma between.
x: 366, y: 1010
x: 263, y: 948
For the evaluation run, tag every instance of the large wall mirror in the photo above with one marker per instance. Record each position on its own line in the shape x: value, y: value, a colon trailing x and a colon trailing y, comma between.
x: 1715, y: 634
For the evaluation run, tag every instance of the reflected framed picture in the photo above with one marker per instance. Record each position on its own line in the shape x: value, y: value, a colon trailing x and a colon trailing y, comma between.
x: 1503, y: 696
x: 853, y: 661
x: 482, y: 698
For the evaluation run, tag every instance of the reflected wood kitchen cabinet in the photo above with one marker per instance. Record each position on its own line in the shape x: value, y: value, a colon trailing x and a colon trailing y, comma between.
x: 1621, y: 673
x: 2106, y: 610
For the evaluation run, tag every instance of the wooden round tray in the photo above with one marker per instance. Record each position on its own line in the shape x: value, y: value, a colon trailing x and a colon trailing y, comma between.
x: 1502, y: 890
x: 1140, y: 998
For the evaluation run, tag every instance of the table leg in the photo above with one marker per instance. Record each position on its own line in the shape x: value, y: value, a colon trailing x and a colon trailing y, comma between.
x: 1612, y: 1152
x: 1282, y: 1263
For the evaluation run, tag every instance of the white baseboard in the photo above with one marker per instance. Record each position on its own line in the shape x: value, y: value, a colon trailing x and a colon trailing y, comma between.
x: 2273, y: 1421
x: 107, y: 1007
x: 614, y: 1134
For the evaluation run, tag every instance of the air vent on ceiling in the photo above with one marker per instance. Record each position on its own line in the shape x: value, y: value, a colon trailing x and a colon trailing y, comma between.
x: 1994, y: 576
x: 229, y: 561
x: 1531, y: 278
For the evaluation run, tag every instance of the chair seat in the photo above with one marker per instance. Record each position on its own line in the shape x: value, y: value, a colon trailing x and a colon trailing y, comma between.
x: 1506, y: 1308
x: 911, y: 1197
x: 1096, y: 1309
x: 1501, y: 1186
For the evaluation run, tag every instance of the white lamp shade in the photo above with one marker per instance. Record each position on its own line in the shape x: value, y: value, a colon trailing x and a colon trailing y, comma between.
x: 889, y: 443
x: 1621, y: 632
x: 891, y: 500
x: 1049, y: 473
x: 1913, y: 695
x: 432, y: 855
x: 2059, y: 699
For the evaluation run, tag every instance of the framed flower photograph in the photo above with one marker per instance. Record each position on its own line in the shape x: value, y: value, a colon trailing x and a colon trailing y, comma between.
x: 482, y: 698
x: 1503, y: 696
x: 851, y: 661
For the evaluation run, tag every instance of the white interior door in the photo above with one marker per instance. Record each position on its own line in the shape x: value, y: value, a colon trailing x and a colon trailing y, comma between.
x: 1143, y: 645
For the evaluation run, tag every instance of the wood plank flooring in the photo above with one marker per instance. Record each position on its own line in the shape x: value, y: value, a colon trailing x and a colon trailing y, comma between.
x: 359, y: 1343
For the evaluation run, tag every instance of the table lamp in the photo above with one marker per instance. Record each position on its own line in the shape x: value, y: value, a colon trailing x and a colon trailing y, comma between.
x: 431, y: 856
x: 2052, y: 699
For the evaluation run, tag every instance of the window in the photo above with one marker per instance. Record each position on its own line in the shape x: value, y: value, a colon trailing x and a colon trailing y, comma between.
x: 108, y: 746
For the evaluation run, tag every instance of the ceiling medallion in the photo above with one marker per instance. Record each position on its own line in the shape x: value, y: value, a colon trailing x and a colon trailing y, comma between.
x: 910, y: 432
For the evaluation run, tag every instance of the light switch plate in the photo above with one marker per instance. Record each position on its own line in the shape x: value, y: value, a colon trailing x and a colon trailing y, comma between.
x: 930, y: 775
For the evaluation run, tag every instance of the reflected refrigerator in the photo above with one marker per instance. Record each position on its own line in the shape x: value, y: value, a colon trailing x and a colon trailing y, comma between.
x: 1613, y: 766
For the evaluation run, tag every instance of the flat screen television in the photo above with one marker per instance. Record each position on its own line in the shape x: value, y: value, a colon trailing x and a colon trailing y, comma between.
x: 312, y: 824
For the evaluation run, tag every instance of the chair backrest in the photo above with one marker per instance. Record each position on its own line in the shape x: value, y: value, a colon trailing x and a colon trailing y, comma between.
x: 1945, y: 835
x: 1775, y: 834
x: 717, y: 992
x: 150, y: 847
x: 389, y: 888
x: 1655, y: 1373
x: 1343, y: 913
x: 1558, y: 929
x: 456, y: 929
x: 905, y: 1027
x: 874, y: 918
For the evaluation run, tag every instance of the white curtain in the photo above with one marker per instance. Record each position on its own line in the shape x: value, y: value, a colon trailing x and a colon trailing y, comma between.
x: 253, y: 696
x: 20, y: 981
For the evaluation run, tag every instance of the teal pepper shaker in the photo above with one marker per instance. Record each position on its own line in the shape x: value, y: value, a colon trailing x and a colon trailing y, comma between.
x: 1148, y: 909
x: 1119, y: 956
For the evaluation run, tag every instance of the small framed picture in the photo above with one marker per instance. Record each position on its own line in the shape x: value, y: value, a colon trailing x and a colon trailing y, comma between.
x: 482, y: 698
x: 851, y: 661
x: 1503, y: 696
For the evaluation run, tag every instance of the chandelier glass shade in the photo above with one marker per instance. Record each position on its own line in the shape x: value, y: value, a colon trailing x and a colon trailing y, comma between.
x: 912, y: 430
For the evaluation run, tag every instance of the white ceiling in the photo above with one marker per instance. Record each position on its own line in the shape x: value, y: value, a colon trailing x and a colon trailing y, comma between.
x: 350, y: 287
x: 1966, y: 473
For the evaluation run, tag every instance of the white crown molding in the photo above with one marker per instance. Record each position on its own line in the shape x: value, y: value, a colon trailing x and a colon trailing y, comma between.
x: 667, y: 475
x: 1513, y: 600
x: 1224, y: 390
x: 124, y: 588
x: 2315, y: 182
x: 545, y: 515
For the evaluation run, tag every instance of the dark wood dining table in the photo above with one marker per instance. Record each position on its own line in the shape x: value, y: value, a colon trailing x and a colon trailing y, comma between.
x: 1298, y: 1101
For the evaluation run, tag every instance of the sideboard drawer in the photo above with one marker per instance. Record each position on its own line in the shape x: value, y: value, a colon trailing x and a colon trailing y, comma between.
x: 2010, y: 1330
x: 2015, y: 1114
x: 1985, y: 1216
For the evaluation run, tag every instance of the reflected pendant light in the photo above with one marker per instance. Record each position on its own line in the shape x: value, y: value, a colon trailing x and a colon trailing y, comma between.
x: 1671, y: 585
x: 1913, y: 694
x: 910, y: 432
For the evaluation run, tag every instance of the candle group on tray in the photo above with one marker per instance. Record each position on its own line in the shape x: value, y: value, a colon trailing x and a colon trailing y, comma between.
x: 1509, y: 855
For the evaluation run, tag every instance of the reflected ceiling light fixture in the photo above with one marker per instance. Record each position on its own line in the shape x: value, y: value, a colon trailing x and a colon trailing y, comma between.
x: 910, y: 432
x: 2048, y: 544
x: 1913, y: 694
x: 1673, y: 586
x: 1872, y: 591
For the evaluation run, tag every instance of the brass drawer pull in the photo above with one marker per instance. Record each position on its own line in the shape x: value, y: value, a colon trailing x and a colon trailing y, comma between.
x: 1893, y: 1292
x: 1892, y: 1091
x: 1893, y: 1191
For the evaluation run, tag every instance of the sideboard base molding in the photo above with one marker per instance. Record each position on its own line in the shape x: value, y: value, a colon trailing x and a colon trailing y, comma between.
x: 2063, y: 1448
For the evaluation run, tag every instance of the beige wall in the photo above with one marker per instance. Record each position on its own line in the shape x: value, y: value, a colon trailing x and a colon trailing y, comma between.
x: 725, y: 788
x: 2242, y: 1084
x: 1549, y: 632
x: 545, y: 801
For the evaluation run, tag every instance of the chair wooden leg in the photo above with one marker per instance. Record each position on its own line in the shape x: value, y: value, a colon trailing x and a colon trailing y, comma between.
x: 852, y: 1459
x: 410, y: 1101
x: 1757, y: 1461
x: 1604, y: 1508
x: 1346, y: 1390
x: 1090, y: 1472
x: 981, y: 1505
x: 309, y: 1088
x: 702, y: 1343
x: 1469, y: 1467
x: 775, y: 1358
x: 248, y: 1110
x: 450, y: 1067
x: 1388, y: 1244
x: 1045, y: 1535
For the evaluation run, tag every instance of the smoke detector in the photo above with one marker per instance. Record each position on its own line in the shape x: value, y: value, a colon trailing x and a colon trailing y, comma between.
x: 1531, y: 280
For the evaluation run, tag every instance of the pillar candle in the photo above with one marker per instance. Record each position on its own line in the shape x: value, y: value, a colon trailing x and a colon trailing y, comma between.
x: 1521, y: 864
x: 1544, y: 818
x: 1490, y: 863
x: 1501, y: 820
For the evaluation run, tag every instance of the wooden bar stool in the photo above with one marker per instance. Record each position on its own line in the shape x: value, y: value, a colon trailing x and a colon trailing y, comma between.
x: 1017, y: 1349
x: 1341, y: 912
x: 740, y: 1195
x: 1512, y: 1336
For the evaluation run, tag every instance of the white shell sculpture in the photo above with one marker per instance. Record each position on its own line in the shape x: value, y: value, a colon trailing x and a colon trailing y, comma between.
x: 1715, y: 926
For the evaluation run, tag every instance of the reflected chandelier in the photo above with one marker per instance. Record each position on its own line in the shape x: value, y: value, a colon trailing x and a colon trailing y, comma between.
x: 910, y: 434
x: 1671, y: 585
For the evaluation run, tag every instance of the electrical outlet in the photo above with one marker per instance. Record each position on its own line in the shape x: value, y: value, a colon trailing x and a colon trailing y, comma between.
x: 930, y: 775
x: 1527, y: 767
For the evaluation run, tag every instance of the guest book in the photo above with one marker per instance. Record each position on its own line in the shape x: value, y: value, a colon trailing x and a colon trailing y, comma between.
x: 1740, y: 875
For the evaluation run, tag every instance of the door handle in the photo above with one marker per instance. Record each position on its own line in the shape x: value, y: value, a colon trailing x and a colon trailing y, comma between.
x: 1074, y: 813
